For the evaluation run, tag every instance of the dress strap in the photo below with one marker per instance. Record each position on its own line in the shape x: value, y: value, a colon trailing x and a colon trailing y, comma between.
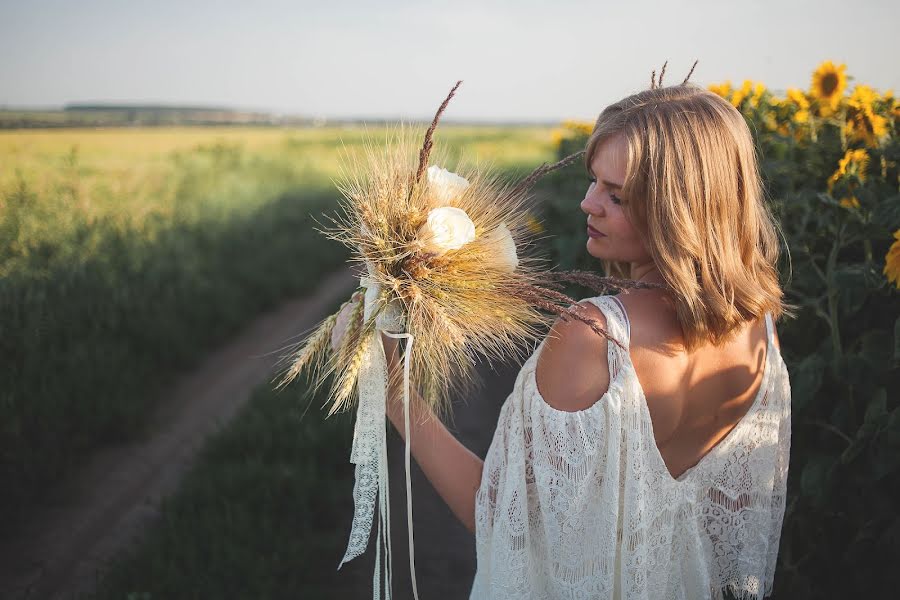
x: 625, y: 319
x: 617, y: 321
x: 770, y: 330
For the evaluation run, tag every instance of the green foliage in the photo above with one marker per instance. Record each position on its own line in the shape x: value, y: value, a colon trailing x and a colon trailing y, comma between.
x: 843, y: 350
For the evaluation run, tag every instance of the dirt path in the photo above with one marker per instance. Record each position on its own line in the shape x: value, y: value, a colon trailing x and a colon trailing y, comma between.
x: 103, y: 506
x: 108, y: 503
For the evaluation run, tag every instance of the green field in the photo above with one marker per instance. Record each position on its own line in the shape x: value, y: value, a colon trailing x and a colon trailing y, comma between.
x: 127, y: 254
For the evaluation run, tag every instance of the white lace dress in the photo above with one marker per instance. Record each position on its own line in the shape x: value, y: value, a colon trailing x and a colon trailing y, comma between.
x: 581, y: 504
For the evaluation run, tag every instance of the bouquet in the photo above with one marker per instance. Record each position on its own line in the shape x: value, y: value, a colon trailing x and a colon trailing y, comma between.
x: 442, y: 270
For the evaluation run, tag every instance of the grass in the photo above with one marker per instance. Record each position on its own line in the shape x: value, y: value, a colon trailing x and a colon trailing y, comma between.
x: 126, y: 255
x: 263, y: 514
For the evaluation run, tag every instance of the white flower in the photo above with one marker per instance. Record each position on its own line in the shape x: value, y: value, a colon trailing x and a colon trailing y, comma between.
x: 444, y: 185
x: 447, y: 228
x: 506, y: 257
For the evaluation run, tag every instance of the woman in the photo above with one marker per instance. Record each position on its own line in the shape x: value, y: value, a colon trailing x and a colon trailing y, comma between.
x: 658, y: 471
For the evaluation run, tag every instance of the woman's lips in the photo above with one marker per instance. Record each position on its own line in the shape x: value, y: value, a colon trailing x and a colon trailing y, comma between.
x: 594, y: 233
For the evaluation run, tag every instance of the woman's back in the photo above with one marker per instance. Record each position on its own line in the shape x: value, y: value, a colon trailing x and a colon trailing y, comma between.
x: 694, y: 399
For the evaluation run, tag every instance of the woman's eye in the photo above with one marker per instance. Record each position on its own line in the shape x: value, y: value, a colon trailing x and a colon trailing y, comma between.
x: 614, y: 198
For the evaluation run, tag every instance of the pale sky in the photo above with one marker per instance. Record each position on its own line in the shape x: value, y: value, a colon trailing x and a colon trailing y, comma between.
x: 518, y: 59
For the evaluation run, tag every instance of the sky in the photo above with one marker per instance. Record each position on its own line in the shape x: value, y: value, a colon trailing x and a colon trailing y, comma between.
x: 520, y: 60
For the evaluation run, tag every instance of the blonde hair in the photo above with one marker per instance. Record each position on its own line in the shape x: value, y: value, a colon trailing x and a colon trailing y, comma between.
x: 693, y: 191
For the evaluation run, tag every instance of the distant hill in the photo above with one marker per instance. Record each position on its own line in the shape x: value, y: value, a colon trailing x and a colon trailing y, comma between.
x: 141, y: 115
x: 164, y: 115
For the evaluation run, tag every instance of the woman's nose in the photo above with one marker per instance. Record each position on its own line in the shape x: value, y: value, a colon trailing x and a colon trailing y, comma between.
x: 591, y: 206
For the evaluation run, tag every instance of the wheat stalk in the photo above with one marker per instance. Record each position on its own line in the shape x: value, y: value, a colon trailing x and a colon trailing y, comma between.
x: 527, y: 183
x: 349, y: 375
x: 426, y: 146
x: 690, y: 72
x: 601, y: 283
x: 310, y: 351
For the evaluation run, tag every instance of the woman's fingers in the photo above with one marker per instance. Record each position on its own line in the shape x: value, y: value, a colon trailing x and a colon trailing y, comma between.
x: 340, y: 325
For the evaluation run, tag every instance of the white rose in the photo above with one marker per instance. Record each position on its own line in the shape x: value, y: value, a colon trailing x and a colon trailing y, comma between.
x: 506, y: 257
x: 447, y: 228
x: 444, y: 185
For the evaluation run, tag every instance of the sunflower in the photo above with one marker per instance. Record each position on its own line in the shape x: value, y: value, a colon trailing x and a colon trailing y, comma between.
x: 556, y: 137
x: 570, y: 129
x: 892, y: 261
x: 854, y: 163
x: 849, y: 202
x: 891, y: 103
x: 722, y: 89
x: 828, y: 84
x: 758, y: 90
x: 578, y: 127
x: 740, y: 95
x: 863, y: 123
x: 798, y: 98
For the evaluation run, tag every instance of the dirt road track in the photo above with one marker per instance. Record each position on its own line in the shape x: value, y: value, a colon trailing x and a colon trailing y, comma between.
x: 108, y: 503
x: 103, y: 506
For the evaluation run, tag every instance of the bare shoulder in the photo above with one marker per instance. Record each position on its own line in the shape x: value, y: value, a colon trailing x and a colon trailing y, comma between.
x: 657, y: 341
x: 572, y: 371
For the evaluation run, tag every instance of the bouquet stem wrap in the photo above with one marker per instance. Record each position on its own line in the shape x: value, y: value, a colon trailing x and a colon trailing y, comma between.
x: 369, y: 451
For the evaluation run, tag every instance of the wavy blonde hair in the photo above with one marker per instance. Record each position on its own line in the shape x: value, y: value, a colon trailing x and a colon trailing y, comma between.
x: 693, y: 191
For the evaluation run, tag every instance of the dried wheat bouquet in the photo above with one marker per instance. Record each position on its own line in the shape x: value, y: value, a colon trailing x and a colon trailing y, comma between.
x: 444, y: 269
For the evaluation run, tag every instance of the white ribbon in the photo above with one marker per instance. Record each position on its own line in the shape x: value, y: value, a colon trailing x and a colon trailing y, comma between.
x: 369, y: 451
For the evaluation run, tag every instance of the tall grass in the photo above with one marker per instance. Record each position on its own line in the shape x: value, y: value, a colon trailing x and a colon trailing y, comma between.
x: 261, y: 515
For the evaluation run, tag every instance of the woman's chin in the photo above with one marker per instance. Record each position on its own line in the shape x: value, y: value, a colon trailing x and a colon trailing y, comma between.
x: 595, y: 248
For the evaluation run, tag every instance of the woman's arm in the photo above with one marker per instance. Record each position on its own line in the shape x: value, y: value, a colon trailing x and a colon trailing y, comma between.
x: 453, y: 470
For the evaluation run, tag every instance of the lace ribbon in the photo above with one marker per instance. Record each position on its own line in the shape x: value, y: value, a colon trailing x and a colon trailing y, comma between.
x: 369, y: 451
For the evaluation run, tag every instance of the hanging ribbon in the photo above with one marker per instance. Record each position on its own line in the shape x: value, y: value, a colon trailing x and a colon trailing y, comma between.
x: 369, y: 451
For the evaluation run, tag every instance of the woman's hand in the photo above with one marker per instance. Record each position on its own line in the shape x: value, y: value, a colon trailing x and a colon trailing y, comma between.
x: 394, y: 361
x: 453, y: 470
x: 343, y: 318
x: 340, y: 329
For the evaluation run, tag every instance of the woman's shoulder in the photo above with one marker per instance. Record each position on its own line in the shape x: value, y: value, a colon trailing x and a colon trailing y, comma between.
x: 572, y: 370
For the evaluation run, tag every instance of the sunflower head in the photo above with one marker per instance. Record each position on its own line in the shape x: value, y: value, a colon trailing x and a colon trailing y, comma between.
x: 759, y: 90
x: 892, y: 261
x: 739, y: 95
x: 828, y: 84
x: 722, y: 89
x: 864, y: 124
x: 797, y: 97
x: 578, y: 127
x: 849, y: 202
x: 854, y: 165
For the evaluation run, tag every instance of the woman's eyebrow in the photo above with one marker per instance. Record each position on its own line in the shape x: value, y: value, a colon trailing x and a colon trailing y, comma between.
x: 605, y: 182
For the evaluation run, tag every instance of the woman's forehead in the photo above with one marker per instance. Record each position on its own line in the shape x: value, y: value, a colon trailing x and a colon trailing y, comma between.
x: 611, y: 158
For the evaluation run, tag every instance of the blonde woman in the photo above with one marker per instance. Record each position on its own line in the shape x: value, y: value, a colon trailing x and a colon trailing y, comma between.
x: 658, y: 471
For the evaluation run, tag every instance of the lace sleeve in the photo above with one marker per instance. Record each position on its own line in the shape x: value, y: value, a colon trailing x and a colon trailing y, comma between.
x: 548, y: 514
x: 570, y: 454
x: 543, y: 510
x: 779, y: 490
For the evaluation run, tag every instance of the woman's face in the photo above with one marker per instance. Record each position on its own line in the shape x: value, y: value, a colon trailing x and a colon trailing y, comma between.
x: 602, y: 205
